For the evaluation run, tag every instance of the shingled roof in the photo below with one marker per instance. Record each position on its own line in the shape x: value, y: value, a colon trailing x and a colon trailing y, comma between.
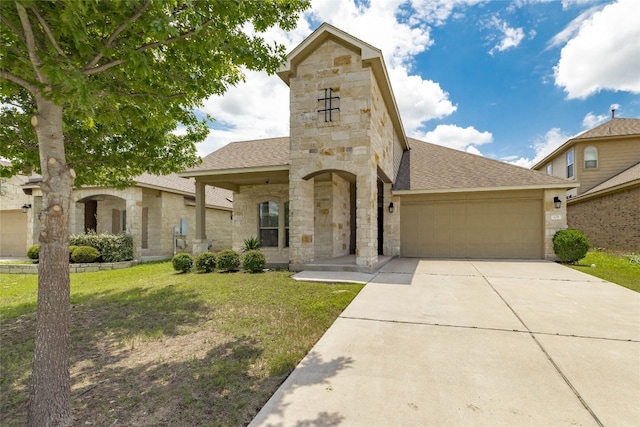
x: 246, y: 154
x: 614, y: 128
x: 214, y: 196
x: 626, y: 178
x: 434, y: 168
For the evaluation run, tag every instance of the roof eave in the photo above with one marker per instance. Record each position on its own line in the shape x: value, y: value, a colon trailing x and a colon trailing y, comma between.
x: 485, y: 189
x: 584, y: 197
x: 251, y: 169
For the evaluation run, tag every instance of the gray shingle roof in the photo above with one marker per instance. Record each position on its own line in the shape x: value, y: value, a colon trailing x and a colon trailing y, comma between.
x: 173, y: 183
x: 614, y: 127
x: 627, y: 176
x: 246, y: 154
x: 433, y: 167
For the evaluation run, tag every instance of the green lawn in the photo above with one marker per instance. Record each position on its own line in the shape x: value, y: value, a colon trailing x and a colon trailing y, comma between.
x: 623, y: 270
x: 152, y: 347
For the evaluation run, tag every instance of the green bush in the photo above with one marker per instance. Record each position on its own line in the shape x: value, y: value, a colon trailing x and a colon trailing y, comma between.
x: 112, y: 247
x: 251, y: 244
x: 71, y: 249
x: 570, y: 245
x: 206, y: 262
x: 34, y: 252
x: 254, y: 261
x: 182, y: 262
x: 228, y: 260
x: 84, y: 254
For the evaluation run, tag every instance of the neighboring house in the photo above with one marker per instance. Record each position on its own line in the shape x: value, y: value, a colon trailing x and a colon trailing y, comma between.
x: 348, y: 180
x: 605, y: 162
x: 158, y: 212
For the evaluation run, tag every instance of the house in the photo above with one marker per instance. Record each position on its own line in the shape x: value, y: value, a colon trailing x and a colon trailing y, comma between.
x: 157, y: 211
x: 348, y: 183
x: 605, y: 163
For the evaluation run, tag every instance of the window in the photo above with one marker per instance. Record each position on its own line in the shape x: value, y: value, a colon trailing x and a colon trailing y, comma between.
x: 268, y: 224
x: 590, y: 158
x: 550, y: 169
x: 570, y: 163
x: 286, y: 225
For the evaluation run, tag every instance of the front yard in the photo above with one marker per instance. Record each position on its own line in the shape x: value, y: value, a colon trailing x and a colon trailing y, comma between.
x: 620, y: 269
x: 152, y: 347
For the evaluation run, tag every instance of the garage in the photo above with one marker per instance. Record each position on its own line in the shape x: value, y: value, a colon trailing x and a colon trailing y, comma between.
x: 13, y: 228
x: 501, y: 224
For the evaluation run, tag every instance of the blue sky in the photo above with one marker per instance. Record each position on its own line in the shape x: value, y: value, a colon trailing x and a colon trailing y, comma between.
x: 510, y: 80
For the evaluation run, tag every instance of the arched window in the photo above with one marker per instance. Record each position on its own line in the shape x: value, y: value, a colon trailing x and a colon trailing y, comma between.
x: 590, y: 158
x: 268, y: 224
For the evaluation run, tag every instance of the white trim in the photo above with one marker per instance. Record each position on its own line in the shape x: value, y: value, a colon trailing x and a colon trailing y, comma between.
x: 230, y: 171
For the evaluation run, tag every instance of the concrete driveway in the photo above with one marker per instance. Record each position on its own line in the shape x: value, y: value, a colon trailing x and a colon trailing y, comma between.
x: 472, y: 343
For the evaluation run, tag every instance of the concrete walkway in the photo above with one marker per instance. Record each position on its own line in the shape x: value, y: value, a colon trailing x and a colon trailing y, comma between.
x: 472, y: 343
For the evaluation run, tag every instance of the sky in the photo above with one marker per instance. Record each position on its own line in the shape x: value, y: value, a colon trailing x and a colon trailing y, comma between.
x: 509, y: 80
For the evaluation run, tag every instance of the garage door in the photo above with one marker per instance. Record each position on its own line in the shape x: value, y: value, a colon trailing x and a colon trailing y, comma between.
x: 13, y: 234
x: 473, y: 225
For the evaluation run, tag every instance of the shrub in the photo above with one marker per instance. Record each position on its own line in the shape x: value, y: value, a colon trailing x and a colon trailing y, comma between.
x: 182, y: 262
x: 251, y: 244
x: 570, y: 245
x: 228, y: 260
x: 206, y: 262
x: 254, y: 261
x: 112, y: 247
x: 84, y: 254
x: 34, y: 252
x: 71, y: 249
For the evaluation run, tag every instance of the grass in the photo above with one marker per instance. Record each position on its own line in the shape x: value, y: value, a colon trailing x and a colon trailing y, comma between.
x: 620, y: 269
x: 153, y: 347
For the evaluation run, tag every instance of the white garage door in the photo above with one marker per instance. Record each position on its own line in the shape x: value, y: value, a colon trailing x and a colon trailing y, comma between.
x: 13, y: 234
x: 473, y: 225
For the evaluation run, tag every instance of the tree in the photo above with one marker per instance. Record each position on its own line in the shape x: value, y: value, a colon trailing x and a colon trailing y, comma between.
x: 104, y: 84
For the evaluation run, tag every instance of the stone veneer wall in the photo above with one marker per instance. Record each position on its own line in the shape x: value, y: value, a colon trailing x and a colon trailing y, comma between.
x: 245, y: 218
x: 611, y: 221
x: 344, y: 144
x: 554, y: 220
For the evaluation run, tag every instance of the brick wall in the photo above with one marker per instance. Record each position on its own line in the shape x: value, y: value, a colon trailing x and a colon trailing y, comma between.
x: 611, y: 221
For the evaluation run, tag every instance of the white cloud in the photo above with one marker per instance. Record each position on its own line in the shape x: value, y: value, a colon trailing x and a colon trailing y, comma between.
x: 591, y: 120
x: 437, y: 12
x: 418, y: 100
x: 605, y: 53
x: 542, y: 146
x: 457, y: 137
x: 571, y: 30
x: 510, y: 37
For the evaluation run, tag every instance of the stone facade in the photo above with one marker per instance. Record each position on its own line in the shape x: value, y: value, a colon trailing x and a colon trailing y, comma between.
x: 611, y: 221
x: 148, y: 215
x: 356, y: 145
x: 554, y: 219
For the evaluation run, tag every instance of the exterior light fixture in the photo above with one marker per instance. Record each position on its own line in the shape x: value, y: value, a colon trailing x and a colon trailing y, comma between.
x: 25, y: 208
x: 391, y: 207
x: 556, y: 202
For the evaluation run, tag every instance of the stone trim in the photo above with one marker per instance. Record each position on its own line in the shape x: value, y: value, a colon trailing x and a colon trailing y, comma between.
x: 73, y: 268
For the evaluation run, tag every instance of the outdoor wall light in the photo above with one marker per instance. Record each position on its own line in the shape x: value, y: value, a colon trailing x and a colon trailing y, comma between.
x: 25, y: 208
x: 556, y: 202
x: 391, y: 207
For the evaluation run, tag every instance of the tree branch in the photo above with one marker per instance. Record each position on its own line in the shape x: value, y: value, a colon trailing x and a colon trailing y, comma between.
x: 47, y: 31
x: 117, y: 32
x: 19, y: 81
x: 12, y: 27
x: 30, y: 42
x: 145, y: 47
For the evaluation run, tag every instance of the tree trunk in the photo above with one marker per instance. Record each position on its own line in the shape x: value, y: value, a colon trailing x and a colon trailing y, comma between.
x: 50, y: 393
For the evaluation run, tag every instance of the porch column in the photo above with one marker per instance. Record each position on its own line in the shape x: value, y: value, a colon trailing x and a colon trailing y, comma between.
x: 200, y: 243
x: 367, y: 219
x: 301, y: 224
x: 133, y: 209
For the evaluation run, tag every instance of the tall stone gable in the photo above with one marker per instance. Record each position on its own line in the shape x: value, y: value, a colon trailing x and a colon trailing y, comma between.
x: 340, y: 122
